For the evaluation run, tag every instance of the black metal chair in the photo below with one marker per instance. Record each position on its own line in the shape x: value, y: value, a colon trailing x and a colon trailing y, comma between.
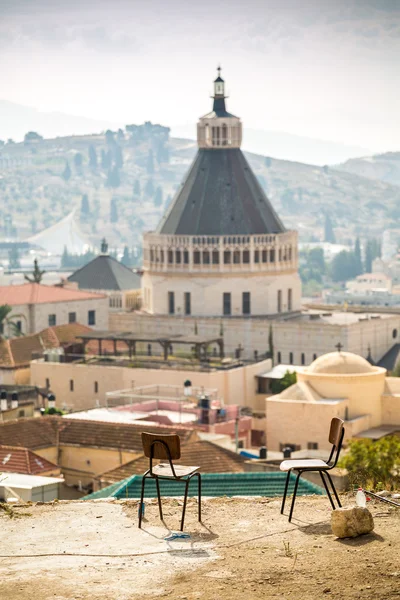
x: 166, y: 447
x: 336, y: 435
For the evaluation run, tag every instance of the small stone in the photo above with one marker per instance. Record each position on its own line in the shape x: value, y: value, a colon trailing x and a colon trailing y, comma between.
x: 396, y: 496
x: 351, y: 522
x: 326, y: 590
x: 384, y: 494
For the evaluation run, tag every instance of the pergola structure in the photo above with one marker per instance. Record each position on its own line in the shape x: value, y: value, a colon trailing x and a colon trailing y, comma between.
x: 200, y: 343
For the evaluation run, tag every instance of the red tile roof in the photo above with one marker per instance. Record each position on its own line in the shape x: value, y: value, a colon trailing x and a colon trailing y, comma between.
x: 21, y: 460
x: 208, y: 456
x: 36, y: 293
x: 41, y: 432
x: 17, y: 352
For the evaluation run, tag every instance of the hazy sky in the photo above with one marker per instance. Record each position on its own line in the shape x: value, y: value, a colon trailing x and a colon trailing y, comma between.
x: 327, y: 69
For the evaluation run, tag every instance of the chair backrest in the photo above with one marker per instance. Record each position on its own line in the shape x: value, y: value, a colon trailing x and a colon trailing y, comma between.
x: 336, y: 434
x: 156, y: 445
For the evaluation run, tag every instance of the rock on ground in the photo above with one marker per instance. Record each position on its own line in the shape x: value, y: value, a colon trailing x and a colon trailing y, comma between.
x: 351, y: 522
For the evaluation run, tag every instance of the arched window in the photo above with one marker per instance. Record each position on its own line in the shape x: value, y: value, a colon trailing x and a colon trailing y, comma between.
x: 291, y: 358
x: 279, y: 357
x: 207, y: 134
x: 224, y: 136
x: 303, y: 358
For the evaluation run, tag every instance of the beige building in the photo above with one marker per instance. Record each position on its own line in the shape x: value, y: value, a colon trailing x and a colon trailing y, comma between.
x: 83, y: 386
x: 220, y: 250
x: 338, y: 384
x: 370, y: 282
x: 297, y: 340
x: 36, y: 307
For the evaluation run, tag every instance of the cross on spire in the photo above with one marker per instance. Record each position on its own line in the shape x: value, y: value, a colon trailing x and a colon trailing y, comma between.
x: 339, y: 347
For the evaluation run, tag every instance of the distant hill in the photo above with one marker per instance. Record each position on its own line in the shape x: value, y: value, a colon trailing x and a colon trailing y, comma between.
x: 383, y: 167
x: 16, y: 120
x: 121, y: 184
x: 287, y: 146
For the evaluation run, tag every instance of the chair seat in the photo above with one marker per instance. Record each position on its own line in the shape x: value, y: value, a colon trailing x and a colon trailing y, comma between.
x: 306, y: 463
x: 164, y: 470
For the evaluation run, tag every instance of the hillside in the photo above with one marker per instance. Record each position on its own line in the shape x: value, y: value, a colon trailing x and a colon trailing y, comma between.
x: 381, y: 167
x: 121, y: 182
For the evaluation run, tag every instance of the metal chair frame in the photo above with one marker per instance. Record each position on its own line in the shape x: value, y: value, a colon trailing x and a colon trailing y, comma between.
x: 184, y: 479
x: 321, y: 470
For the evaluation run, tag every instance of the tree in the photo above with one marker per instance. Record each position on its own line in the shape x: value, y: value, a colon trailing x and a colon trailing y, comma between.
x: 37, y: 274
x: 85, y: 208
x: 119, y: 159
x: 120, y: 135
x: 344, y: 266
x: 32, y: 136
x: 329, y: 234
x: 92, y: 157
x: 373, y: 464
x: 105, y: 159
x: 396, y: 370
x: 109, y: 138
x: 65, y: 258
x: 357, y: 256
x: 271, y: 344
x: 78, y: 161
x: 13, y: 258
x: 149, y: 187
x: 158, y: 197
x: 67, y: 172
x: 14, y: 327
x: 150, y: 163
x: 368, y: 257
x: 267, y: 162
x: 5, y: 310
x: 136, y: 188
x: 113, y: 211
x: 126, y: 257
x: 278, y: 385
x: 113, y: 178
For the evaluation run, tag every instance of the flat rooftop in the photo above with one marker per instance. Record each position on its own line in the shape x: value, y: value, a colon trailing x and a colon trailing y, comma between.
x: 244, y: 549
x: 336, y: 317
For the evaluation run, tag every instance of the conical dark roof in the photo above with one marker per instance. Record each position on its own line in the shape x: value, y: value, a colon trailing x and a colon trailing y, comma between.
x: 105, y: 273
x: 220, y: 196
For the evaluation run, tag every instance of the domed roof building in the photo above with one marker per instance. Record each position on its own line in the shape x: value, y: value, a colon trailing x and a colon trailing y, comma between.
x: 340, y: 363
x: 221, y: 249
x: 337, y: 384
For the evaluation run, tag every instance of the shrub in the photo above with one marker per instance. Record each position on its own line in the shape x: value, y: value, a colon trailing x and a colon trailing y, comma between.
x: 373, y: 464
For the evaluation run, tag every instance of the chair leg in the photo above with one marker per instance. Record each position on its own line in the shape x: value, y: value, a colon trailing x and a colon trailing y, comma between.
x: 141, y: 502
x: 327, y: 490
x: 285, y: 492
x: 199, y: 507
x: 184, y: 503
x: 334, y: 489
x: 294, y: 495
x: 159, y: 498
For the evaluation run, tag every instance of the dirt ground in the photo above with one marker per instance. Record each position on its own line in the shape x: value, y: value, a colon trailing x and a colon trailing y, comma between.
x: 243, y: 549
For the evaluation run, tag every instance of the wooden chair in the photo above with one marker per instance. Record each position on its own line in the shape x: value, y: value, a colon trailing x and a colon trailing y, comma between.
x: 336, y: 434
x: 166, y: 447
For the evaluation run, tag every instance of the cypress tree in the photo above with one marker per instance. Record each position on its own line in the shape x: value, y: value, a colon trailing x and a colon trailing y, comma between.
x: 357, y: 254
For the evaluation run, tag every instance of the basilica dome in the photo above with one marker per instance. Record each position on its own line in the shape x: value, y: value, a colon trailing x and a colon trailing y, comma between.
x: 340, y: 363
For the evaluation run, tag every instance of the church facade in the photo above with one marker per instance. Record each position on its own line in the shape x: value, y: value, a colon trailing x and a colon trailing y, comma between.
x: 221, y: 249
